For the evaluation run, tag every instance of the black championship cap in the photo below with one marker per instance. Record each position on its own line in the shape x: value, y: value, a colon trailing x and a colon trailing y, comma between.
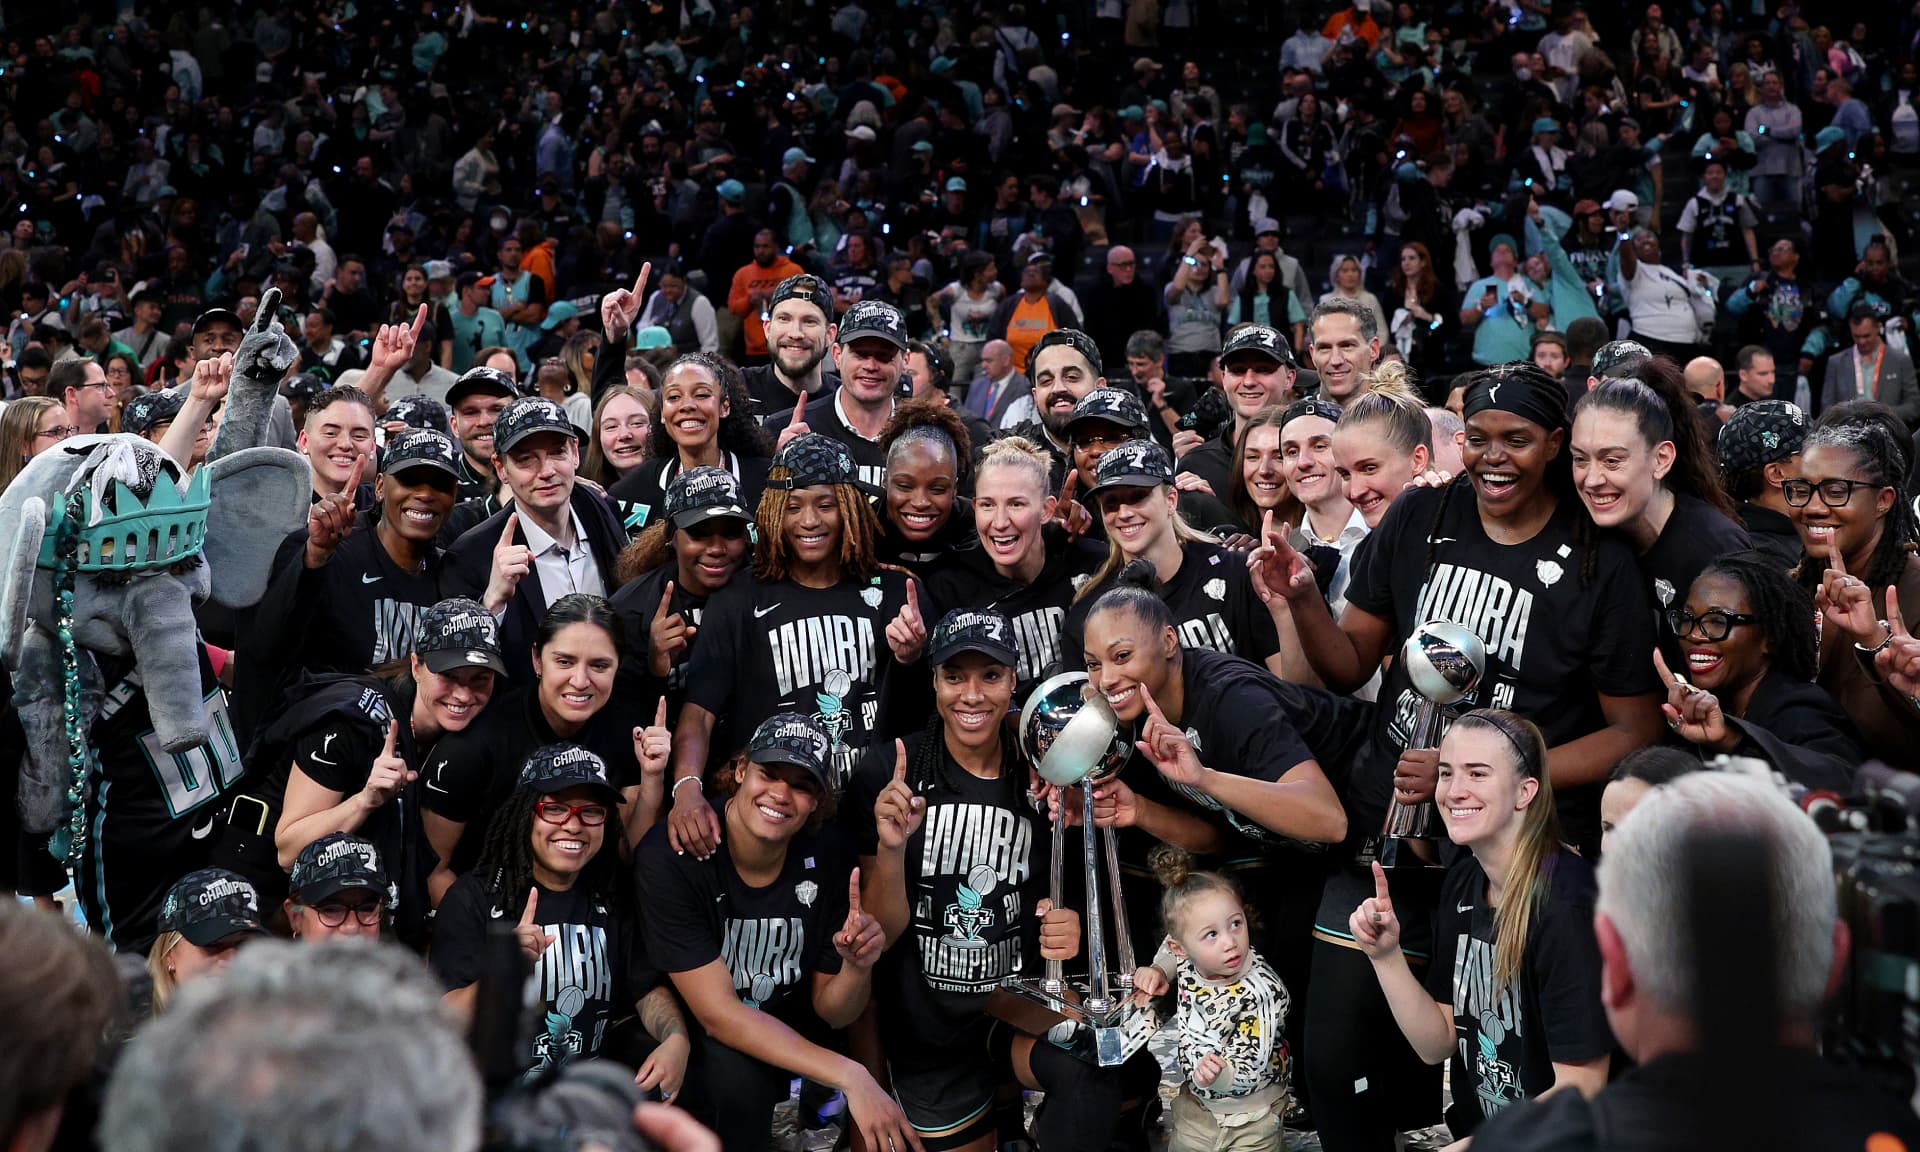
x: 792, y: 738
x: 529, y: 416
x: 419, y: 412
x: 1760, y: 433
x: 973, y: 630
x: 705, y: 493
x: 558, y: 767
x: 489, y: 380
x: 1072, y: 338
x: 303, y: 386
x: 1111, y: 405
x: 1614, y: 353
x: 458, y: 633
x: 1258, y: 338
x: 145, y: 411
x: 211, y: 905
x: 1135, y: 464
x: 813, y: 459
x: 337, y: 862
x: 421, y: 448
x: 805, y: 286
x: 874, y: 318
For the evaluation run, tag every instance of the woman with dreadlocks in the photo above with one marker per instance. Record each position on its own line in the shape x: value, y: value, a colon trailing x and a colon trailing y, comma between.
x: 799, y: 633
x: 1750, y: 644
x: 1645, y: 469
x: 1506, y: 551
x: 954, y: 862
x: 703, y: 417
x: 1860, y: 536
x: 550, y: 867
x: 928, y: 457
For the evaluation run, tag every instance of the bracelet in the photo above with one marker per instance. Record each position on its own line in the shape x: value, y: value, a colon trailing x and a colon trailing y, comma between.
x: 674, y: 792
x: 1875, y: 650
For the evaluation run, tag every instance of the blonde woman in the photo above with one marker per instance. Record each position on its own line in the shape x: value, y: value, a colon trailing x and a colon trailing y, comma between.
x: 205, y: 916
x: 28, y: 427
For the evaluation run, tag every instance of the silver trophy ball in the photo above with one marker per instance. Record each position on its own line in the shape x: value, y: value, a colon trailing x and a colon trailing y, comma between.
x: 1070, y: 733
x: 1444, y: 660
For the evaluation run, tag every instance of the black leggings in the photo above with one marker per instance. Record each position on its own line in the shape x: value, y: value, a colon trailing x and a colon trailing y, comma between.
x: 1364, y: 1081
x: 1083, y: 1103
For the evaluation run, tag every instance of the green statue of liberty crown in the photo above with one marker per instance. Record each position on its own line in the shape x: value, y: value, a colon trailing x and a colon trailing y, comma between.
x: 166, y: 528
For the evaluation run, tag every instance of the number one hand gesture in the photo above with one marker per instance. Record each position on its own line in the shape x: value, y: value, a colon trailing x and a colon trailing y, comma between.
x: 1167, y: 746
x: 861, y: 940
x: 669, y: 635
x: 653, y: 745
x: 897, y: 812
x: 1374, y: 926
x: 1693, y: 713
x: 510, y: 562
x: 907, y: 634
x: 389, y: 774
x: 1899, y: 661
x: 533, y: 938
x: 797, y: 426
x: 1276, y: 567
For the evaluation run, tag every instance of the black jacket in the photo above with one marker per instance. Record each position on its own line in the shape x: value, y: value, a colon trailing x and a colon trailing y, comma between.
x: 469, y: 564
x: 1772, y: 533
x: 1801, y: 731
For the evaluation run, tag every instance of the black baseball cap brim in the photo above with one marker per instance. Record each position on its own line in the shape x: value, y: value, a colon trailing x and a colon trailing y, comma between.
x: 571, y: 429
x: 216, y: 316
x: 997, y: 652
x: 396, y: 467
x: 848, y: 337
x: 444, y: 660
x: 1129, y: 480
x: 689, y: 517
x: 553, y: 785
x: 334, y: 885
x: 1116, y: 419
x: 206, y: 933
x: 779, y: 755
x: 464, y: 388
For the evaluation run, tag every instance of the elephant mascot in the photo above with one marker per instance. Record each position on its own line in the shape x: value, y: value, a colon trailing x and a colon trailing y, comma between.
x: 108, y: 547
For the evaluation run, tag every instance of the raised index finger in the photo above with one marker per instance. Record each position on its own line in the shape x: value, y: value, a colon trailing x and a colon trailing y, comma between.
x: 640, y: 282
x: 513, y: 522
x: 419, y: 319
x: 1380, y: 891
x: 853, y: 892
x: 660, y: 714
x: 1153, y: 709
x: 1835, y: 561
x: 666, y: 600
x: 393, y: 734
x: 1896, y: 620
x: 1067, y: 486
x: 353, y: 477
x: 913, y: 598
x: 1666, y: 674
x: 799, y: 412
x: 900, y: 761
x: 533, y: 904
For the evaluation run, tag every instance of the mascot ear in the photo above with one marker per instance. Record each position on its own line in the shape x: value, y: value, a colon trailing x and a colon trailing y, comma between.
x: 21, y: 538
x: 259, y: 497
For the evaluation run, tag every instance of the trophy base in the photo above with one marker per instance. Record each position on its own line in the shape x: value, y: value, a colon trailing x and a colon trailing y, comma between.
x: 1099, y: 1033
x: 1400, y: 852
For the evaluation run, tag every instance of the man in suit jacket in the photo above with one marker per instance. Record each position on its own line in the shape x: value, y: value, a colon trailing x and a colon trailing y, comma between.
x: 1872, y: 371
x: 557, y: 537
x: 997, y: 386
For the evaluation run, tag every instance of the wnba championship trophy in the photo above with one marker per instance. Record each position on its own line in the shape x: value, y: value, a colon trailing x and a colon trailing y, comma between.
x: 1073, y: 738
x: 1444, y: 660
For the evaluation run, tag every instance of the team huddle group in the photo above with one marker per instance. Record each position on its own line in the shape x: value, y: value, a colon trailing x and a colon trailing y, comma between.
x: 724, y: 730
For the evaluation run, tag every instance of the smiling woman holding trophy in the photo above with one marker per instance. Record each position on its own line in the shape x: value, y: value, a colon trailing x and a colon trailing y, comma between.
x: 958, y: 863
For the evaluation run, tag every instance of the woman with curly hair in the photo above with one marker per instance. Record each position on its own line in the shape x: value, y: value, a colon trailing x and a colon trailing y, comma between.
x: 924, y: 517
x: 703, y: 417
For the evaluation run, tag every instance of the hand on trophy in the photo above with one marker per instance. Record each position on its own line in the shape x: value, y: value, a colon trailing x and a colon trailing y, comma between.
x: 1416, y: 776
x: 861, y: 940
x: 897, y: 812
x: 1059, y: 931
x: 1149, y: 983
x: 1374, y: 926
x: 1114, y: 804
x: 1167, y: 747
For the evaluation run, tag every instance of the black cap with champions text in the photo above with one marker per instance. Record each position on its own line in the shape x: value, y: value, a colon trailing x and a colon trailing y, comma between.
x: 705, y: 493
x: 211, y: 905
x: 558, y: 767
x: 1614, y: 353
x: 875, y: 318
x: 421, y: 448
x: 335, y: 863
x: 458, y: 633
x: 489, y: 380
x: 1258, y: 338
x: 1135, y: 464
x: 419, y: 412
x: 1111, y: 405
x: 980, y: 630
x: 530, y: 416
x: 793, y: 738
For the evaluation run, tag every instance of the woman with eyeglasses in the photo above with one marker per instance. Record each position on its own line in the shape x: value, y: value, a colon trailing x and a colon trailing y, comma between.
x: 1860, y: 535
x: 551, y: 870
x: 704, y: 418
x: 28, y: 427
x: 338, y: 889
x: 1748, y: 636
x: 124, y: 374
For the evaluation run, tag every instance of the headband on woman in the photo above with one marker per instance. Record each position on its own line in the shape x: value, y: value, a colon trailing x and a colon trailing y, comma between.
x: 1521, y: 388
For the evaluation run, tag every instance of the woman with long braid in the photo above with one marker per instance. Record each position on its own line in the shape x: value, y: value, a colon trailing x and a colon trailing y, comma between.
x: 1506, y: 551
x: 955, y: 863
x: 1860, y: 536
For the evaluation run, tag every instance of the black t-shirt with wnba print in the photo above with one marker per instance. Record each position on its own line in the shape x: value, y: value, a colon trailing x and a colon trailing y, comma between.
x: 589, y: 976
x: 976, y: 867
x: 151, y: 814
x: 772, y: 939
x: 1555, y: 642
x: 784, y: 647
x: 1507, y: 1039
x: 1038, y: 610
x: 1213, y: 604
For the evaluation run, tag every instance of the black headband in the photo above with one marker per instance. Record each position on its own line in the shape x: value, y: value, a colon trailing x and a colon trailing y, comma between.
x: 1520, y: 388
x: 1073, y: 338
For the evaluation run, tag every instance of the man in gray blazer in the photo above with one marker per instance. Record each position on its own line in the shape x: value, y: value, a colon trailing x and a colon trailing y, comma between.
x: 1871, y: 370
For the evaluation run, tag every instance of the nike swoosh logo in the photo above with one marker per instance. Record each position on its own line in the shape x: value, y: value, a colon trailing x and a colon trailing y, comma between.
x: 1443, y: 539
x: 499, y: 913
x: 759, y: 612
x: 432, y: 787
x: 319, y: 759
x: 371, y: 579
x: 1463, y: 908
x: 205, y: 830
